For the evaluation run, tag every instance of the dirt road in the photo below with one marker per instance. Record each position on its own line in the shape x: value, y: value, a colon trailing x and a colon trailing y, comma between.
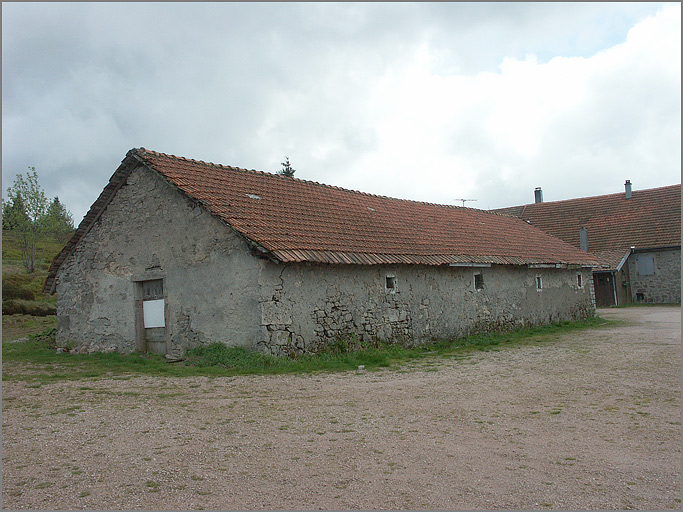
x: 588, y: 421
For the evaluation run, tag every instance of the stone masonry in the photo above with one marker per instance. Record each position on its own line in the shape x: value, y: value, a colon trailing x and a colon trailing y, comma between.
x: 664, y: 284
x: 313, y: 305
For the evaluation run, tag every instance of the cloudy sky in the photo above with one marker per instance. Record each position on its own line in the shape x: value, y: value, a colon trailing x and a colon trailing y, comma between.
x: 433, y: 102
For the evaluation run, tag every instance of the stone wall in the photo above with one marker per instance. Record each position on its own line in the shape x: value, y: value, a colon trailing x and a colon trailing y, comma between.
x: 305, y: 306
x: 663, y: 285
x: 151, y: 231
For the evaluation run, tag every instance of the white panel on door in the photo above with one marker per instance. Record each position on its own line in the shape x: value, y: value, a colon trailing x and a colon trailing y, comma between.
x: 153, y: 312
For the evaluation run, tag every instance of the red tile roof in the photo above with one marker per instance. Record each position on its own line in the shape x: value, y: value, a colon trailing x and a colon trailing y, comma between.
x: 293, y: 220
x: 650, y: 219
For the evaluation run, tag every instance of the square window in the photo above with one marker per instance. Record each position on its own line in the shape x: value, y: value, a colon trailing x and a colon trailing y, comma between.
x: 390, y: 284
x: 478, y: 282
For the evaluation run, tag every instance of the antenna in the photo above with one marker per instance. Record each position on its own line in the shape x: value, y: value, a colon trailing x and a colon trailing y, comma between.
x: 463, y: 200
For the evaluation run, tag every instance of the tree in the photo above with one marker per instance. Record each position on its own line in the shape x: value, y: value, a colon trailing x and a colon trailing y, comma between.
x: 286, y: 169
x: 13, y: 212
x: 58, y: 220
x: 27, y: 191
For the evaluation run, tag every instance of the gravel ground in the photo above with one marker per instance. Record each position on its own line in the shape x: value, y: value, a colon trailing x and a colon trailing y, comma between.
x: 589, y: 421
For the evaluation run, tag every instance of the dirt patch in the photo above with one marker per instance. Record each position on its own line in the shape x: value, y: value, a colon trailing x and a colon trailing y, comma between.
x: 586, y: 421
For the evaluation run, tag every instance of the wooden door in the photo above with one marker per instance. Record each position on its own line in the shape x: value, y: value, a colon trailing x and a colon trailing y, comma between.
x: 604, y: 289
x: 154, y: 316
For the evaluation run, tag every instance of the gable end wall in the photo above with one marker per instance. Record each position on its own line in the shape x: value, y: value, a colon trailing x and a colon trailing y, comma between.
x: 151, y: 230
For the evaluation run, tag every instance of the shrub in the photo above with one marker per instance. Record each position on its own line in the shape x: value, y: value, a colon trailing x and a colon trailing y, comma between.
x: 12, y: 291
x: 22, y: 307
x: 17, y: 286
x: 48, y: 336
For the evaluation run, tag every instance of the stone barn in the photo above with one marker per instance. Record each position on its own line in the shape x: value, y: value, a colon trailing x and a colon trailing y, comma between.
x: 177, y: 253
x: 635, y: 235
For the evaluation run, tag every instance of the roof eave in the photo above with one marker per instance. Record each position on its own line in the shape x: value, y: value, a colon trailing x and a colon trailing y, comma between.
x: 454, y: 260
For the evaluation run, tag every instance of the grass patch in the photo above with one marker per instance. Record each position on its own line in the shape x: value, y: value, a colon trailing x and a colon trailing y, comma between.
x: 17, y: 326
x: 36, y: 360
x: 152, y: 485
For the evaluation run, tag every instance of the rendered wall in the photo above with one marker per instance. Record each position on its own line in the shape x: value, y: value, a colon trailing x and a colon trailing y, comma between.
x: 151, y: 231
x: 305, y: 306
x: 664, y: 284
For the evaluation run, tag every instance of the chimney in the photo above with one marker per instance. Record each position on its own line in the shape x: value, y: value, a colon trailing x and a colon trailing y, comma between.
x: 538, y: 195
x: 583, y: 239
x: 628, y: 189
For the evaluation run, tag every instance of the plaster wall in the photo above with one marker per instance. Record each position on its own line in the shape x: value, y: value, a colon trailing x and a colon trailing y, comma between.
x: 305, y: 306
x: 664, y: 284
x: 151, y: 231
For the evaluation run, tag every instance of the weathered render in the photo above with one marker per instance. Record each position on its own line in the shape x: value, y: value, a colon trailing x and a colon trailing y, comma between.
x: 315, y: 304
x: 149, y: 231
x: 178, y: 253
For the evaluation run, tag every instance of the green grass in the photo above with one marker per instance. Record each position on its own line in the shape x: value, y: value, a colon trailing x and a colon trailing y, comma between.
x: 37, y: 360
x: 17, y: 326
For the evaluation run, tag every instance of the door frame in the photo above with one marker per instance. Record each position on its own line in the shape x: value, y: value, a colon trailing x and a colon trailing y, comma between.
x: 609, y: 289
x: 139, y: 311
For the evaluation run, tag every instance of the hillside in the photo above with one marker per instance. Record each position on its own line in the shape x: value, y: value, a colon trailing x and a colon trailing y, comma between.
x: 22, y: 292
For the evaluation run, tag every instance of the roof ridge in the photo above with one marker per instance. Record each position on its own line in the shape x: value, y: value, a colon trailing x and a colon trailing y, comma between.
x: 185, y: 159
x: 585, y: 198
x: 312, y: 182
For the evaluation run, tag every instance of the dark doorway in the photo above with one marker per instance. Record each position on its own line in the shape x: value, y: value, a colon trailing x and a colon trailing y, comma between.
x: 604, y: 289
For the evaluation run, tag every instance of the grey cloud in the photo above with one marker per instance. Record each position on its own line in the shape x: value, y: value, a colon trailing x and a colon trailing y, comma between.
x: 248, y: 83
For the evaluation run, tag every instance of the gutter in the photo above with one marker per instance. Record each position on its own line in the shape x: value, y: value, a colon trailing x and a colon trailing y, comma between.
x: 623, y: 260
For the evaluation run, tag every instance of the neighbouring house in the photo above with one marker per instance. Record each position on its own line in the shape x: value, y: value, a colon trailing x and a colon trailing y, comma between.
x: 635, y: 234
x: 177, y: 252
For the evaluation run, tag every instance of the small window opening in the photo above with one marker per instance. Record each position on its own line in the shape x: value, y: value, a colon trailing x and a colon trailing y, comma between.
x: 478, y: 282
x: 579, y: 280
x: 391, y: 284
x: 640, y: 297
x: 539, y: 283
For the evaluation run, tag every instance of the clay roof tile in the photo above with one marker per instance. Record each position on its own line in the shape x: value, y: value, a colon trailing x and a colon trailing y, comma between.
x: 307, y: 221
x: 296, y: 220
